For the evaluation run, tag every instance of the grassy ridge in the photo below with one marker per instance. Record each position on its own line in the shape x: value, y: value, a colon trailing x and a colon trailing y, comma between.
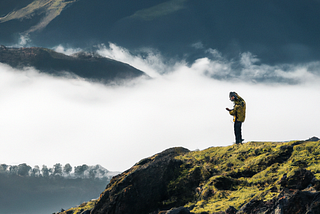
x: 219, y: 177
x: 234, y: 175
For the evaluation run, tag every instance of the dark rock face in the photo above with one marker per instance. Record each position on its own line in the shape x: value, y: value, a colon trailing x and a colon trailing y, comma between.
x: 225, y: 183
x: 254, y: 206
x: 296, y: 202
x: 314, y: 138
x: 290, y: 201
x: 85, y: 65
x: 142, y: 188
x: 231, y: 210
x: 300, y: 180
x: 180, y: 210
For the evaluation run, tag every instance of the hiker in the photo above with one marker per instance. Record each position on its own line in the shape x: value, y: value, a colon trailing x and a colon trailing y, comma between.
x: 239, y: 113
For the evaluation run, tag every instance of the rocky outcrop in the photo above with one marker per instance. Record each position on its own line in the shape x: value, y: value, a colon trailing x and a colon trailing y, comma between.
x: 298, y: 196
x: 143, y: 188
x: 253, y: 178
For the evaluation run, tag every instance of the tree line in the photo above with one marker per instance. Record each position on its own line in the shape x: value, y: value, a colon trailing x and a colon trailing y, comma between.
x: 58, y: 170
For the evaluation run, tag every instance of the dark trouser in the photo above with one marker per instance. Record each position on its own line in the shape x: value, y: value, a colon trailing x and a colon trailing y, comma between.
x: 237, y: 132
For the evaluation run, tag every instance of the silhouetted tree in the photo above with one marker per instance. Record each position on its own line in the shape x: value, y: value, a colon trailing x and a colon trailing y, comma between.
x: 67, y: 169
x: 57, y: 169
x: 3, y: 168
x: 13, y: 170
x: 35, y: 172
x: 45, y: 171
x: 93, y: 171
x: 79, y: 170
x: 23, y: 169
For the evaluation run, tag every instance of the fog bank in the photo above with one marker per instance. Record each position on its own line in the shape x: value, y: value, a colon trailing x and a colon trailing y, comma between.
x: 45, y: 119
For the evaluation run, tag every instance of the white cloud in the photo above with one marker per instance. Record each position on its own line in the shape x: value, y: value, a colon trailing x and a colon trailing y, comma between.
x: 24, y: 40
x: 66, y: 51
x: 48, y: 120
x: 147, y: 60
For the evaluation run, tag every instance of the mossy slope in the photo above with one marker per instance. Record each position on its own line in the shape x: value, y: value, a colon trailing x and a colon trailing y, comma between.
x: 216, y: 178
x: 235, y: 175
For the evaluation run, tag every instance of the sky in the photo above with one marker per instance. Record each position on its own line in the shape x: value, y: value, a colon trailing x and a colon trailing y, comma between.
x: 49, y: 120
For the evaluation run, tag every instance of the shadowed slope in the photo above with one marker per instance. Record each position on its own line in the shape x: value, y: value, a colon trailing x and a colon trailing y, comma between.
x: 86, y: 65
x: 51, y: 9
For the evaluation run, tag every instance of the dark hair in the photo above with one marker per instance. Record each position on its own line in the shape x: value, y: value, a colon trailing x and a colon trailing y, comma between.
x: 232, y: 94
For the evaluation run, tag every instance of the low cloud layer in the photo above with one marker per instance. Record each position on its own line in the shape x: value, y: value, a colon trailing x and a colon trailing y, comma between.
x: 244, y: 68
x: 45, y: 119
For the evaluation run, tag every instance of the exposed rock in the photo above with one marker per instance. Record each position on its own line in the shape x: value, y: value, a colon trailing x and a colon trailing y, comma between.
x: 299, y: 180
x: 225, y: 183
x: 142, y: 188
x: 180, y: 210
x: 288, y: 202
x: 296, y: 202
x: 231, y: 210
x: 313, y: 139
x: 291, y: 200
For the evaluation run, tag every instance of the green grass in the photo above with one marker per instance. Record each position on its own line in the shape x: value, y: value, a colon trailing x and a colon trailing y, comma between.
x: 234, y: 175
x: 219, y: 177
x: 82, y: 207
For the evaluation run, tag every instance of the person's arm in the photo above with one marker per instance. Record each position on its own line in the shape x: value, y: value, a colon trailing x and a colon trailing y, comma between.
x: 234, y: 110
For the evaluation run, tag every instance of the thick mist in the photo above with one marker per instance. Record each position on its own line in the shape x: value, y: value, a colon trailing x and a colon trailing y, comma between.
x: 46, y: 119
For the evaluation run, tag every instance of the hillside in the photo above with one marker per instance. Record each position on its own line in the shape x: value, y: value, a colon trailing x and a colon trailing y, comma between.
x: 51, y: 9
x: 82, y: 64
x: 267, y: 29
x: 256, y: 177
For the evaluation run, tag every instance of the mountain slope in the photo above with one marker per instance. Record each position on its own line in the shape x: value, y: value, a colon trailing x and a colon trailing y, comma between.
x: 275, y: 31
x: 51, y: 9
x: 91, y: 66
x: 254, y: 177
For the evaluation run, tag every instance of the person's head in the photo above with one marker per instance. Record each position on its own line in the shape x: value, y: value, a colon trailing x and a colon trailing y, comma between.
x: 233, y: 96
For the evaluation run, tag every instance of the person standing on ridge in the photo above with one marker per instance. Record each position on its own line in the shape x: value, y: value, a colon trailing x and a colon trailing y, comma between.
x: 239, y: 114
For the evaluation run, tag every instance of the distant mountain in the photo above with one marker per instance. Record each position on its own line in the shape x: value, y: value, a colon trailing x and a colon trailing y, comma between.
x: 251, y: 178
x: 86, y: 65
x: 51, y: 9
x: 275, y: 31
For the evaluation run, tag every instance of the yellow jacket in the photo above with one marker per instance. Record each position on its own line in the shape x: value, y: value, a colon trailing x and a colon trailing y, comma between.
x: 239, y: 110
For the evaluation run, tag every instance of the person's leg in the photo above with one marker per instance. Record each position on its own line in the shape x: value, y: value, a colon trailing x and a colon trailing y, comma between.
x: 237, y: 132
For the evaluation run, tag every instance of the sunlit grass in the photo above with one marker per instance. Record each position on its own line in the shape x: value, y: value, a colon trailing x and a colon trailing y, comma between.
x: 235, y: 175
x: 82, y: 207
x: 252, y: 169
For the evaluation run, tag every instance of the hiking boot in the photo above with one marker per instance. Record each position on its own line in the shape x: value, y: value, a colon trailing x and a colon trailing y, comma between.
x: 239, y: 142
